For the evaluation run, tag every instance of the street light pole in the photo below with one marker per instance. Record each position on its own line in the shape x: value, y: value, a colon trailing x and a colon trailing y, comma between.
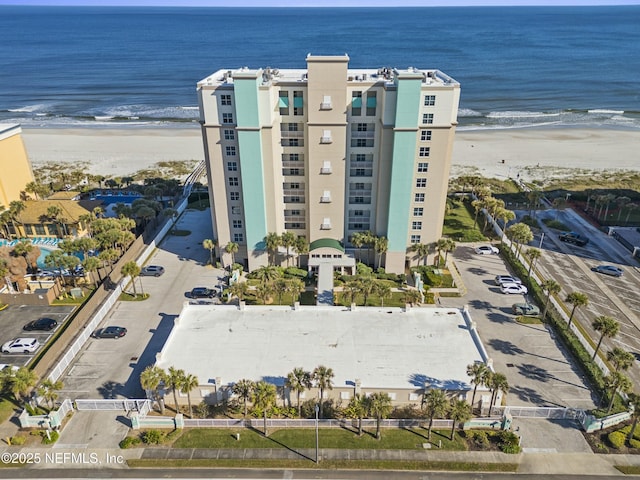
x: 317, y: 409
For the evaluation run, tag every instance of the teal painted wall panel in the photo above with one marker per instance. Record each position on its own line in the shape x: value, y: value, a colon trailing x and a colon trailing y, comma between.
x: 246, y: 102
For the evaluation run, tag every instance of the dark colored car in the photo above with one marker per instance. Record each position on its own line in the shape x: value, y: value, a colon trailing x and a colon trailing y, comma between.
x: 575, y: 238
x: 46, y: 324
x: 202, y: 292
x: 110, y: 332
x: 152, y: 271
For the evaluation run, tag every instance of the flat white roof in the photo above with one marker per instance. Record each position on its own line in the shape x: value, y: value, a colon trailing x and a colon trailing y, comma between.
x: 9, y: 129
x: 384, y: 348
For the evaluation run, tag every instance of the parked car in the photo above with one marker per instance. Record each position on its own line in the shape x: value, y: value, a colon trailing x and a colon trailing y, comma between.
x: 611, y: 270
x: 486, y: 250
x: 152, y: 271
x: 500, y: 279
x: 525, y: 309
x: 11, y: 367
x: 46, y: 324
x: 110, y: 332
x: 510, y: 288
x: 575, y: 238
x: 21, y: 345
x: 202, y: 292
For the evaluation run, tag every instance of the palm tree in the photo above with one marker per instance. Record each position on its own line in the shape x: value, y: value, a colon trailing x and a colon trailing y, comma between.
x: 90, y: 265
x: 366, y: 287
x: 621, y: 359
x: 634, y: 408
x: 244, y: 389
x: 350, y: 291
x: 210, y: 245
x: 357, y: 240
x: 232, y: 248
x: 412, y: 296
x: 520, y: 234
x: 533, y: 254
x: 272, y: 241
x: 608, y: 327
x: 189, y: 382
x: 383, y: 291
x: 288, y: 240
x: 267, y: 273
x: 422, y: 251
x: 479, y: 373
x: 630, y: 208
x: 379, y: 405
x: 616, y: 382
x: 506, y: 216
x: 22, y: 381
x: 171, y: 213
x: 301, y: 247
x: 48, y: 390
x: 447, y: 245
x: 357, y: 408
x: 459, y: 412
x: 295, y: 286
x: 299, y: 380
x: 497, y: 383
x: 239, y: 289
x: 264, y: 398
x: 621, y: 202
x: 551, y: 287
x: 263, y: 292
x: 175, y: 378
x: 131, y: 269
x: 323, y: 380
x: 381, y: 245
x: 577, y: 299
x: 435, y: 405
x: 16, y: 207
x: 151, y: 379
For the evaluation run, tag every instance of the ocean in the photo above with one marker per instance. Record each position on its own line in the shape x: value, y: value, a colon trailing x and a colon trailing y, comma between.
x: 518, y: 66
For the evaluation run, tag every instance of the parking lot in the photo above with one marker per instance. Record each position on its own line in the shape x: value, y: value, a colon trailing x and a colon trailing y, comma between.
x: 15, y: 317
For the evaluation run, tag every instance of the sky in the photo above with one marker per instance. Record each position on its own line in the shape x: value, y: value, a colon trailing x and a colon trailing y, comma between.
x: 317, y: 3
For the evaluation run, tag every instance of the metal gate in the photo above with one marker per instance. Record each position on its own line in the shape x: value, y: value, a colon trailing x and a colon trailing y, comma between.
x: 545, y: 412
x: 142, y: 406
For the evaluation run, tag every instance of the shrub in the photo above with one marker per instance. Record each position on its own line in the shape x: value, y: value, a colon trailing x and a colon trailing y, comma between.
x: 52, y: 438
x: 153, y: 437
x: 478, y: 438
x: 616, y: 439
x: 18, y: 440
x: 129, y: 442
x: 633, y: 443
x: 529, y: 220
x: 509, y: 442
x: 601, y: 447
x: 295, y: 272
x: 555, y: 224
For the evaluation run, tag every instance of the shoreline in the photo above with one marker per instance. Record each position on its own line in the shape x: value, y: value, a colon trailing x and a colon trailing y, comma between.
x: 532, y: 153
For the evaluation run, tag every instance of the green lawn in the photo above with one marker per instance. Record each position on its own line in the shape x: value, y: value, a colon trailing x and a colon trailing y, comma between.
x: 7, y: 408
x: 328, y: 438
x: 458, y: 224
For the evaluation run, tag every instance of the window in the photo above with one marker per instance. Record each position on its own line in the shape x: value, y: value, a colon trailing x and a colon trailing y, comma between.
x: 421, y: 182
x: 414, y: 397
x: 234, y: 195
x: 238, y: 237
x: 292, y: 142
x: 371, y: 104
x: 419, y: 197
x: 229, y: 135
x: 227, y: 118
x: 236, y: 210
x: 237, y: 224
x: 423, y: 167
x: 415, y: 239
x: 356, y: 104
x: 225, y: 99
x: 233, y: 181
x: 326, y: 103
x: 232, y: 166
x: 326, y: 136
x: 425, y: 151
x: 294, y: 186
x: 416, y: 225
x: 429, y: 100
x: 298, y: 103
x: 362, y: 127
x: 427, y: 118
x: 230, y: 151
x: 425, y: 135
x: 283, y: 102
x: 362, y: 142
x: 418, y: 211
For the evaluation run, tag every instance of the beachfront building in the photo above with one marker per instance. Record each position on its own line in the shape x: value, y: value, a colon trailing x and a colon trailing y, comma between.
x: 421, y: 349
x: 326, y: 152
x: 14, y: 164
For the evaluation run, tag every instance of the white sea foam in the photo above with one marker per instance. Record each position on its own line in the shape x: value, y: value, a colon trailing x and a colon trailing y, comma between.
x: 606, y: 112
x: 467, y: 112
x: 521, y: 114
x: 28, y: 108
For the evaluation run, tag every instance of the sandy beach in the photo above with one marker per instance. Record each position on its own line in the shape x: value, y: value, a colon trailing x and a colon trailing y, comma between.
x: 529, y: 153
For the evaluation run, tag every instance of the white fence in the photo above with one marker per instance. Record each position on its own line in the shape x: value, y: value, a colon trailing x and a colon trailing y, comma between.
x: 143, y: 406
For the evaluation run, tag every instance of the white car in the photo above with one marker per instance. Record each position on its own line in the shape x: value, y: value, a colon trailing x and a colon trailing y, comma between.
x: 509, y: 288
x: 21, y: 345
x: 500, y: 279
x: 486, y: 250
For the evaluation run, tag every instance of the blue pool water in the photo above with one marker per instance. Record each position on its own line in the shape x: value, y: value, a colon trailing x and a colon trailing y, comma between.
x: 44, y: 252
x: 113, y: 199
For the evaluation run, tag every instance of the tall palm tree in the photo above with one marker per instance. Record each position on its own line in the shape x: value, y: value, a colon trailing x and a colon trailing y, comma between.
x: 357, y: 408
x: 90, y: 265
x: 479, y: 373
x: 272, y: 242
x: 323, y: 380
x: 295, y: 286
x: 379, y: 405
x: 422, y: 251
x: 577, y: 299
x: 381, y: 245
x: 16, y: 207
x: 301, y: 247
x: 232, y: 248
x: 131, y: 269
x: 152, y: 379
x: 459, y: 412
x: 22, y: 381
x: 189, y: 382
x: 288, y: 240
x: 435, y: 405
x: 264, y: 398
x: 634, y: 404
x: 447, y: 245
x: 412, y: 296
x: 210, y: 245
x: 239, y: 289
x: 350, y: 292
x: 175, y: 378
x: 520, y: 234
x: 299, y: 380
x: 498, y: 383
x: 533, y: 254
x: 264, y: 291
x: 551, y: 287
x: 506, y: 216
x: 607, y: 327
x: 621, y: 359
x: 357, y: 240
x: 48, y: 390
x: 616, y: 382
x: 244, y: 389
x: 366, y: 287
x: 383, y: 291
x: 267, y: 273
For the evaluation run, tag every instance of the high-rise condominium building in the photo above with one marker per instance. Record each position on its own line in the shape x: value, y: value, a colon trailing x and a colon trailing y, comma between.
x: 326, y: 152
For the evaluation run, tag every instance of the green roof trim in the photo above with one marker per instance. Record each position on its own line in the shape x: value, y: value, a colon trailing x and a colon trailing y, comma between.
x: 326, y: 243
